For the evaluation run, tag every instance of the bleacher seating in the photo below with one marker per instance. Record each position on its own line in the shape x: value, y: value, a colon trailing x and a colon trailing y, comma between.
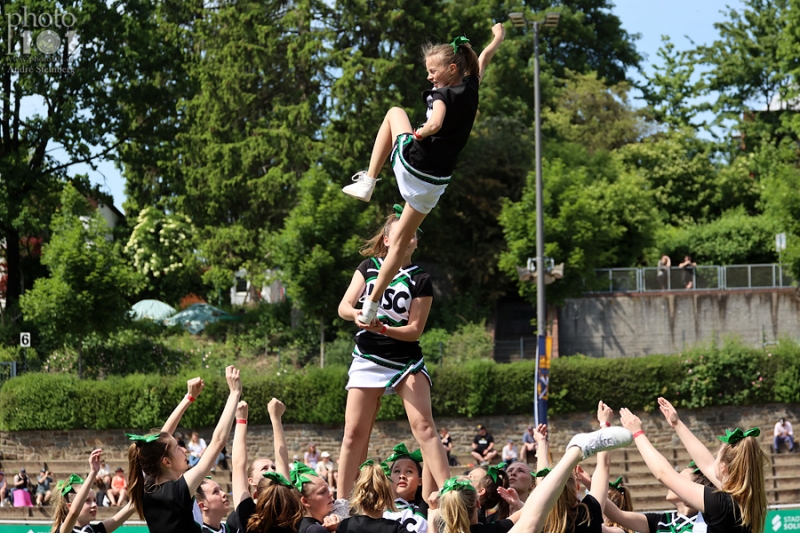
x: 782, y: 477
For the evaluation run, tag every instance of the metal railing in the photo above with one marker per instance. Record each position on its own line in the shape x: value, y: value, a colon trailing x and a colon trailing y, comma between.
x: 701, y: 277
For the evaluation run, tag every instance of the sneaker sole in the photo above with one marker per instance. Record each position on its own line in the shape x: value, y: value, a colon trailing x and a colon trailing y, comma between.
x: 357, y: 197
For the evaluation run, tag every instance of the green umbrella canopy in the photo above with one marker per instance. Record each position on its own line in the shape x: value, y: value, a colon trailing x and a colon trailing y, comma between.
x: 195, y: 317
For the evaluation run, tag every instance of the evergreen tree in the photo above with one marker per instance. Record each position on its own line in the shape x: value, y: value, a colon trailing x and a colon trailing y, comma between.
x: 252, y: 128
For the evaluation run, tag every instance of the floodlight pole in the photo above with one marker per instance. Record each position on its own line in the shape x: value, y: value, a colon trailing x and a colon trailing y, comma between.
x: 542, y: 375
x: 541, y: 303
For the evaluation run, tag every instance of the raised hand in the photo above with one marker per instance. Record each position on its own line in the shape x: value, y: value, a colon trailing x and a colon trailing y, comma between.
x: 241, y: 410
x: 629, y: 420
x: 276, y: 408
x: 604, y: 414
x: 540, y: 433
x: 94, y: 460
x: 583, y: 477
x: 499, y: 31
x: 195, y: 386
x: 510, y: 495
x: 668, y: 411
x: 433, y: 500
x: 331, y: 522
x: 232, y: 376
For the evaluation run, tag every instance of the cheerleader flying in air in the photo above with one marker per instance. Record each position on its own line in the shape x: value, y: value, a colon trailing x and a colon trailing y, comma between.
x: 423, y: 159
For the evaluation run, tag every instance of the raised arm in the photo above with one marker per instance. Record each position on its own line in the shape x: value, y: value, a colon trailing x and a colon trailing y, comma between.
x: 429, y: 485
x: 241, y: 487
x: 196, y: 475
x: 600, y: 475
x: 276, y: 410
x: 195, y: 387
x: 634, y: 521
x: 77, y: 503
x: 118, y: 519
x: 486, y: 56
x: 691, y: 493
x: 542, y: 447
x: 703, y: 458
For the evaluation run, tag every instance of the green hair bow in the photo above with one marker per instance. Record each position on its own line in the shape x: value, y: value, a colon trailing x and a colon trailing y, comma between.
x: 298, y: 472
x: 543, y: 472
x: 454, y: 484
x: 383, y: 465
x: 493, y: 471
x: 400, y: 451
x: 615, y: 484
x: 137, y: 439
x: 65, y: 486
x: 692, y: 464
x: 458, y: 41
x: 278, y: 478
x: 733, y: 437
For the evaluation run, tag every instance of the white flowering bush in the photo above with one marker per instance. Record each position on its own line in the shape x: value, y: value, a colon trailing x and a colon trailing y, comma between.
x: 162, y: 248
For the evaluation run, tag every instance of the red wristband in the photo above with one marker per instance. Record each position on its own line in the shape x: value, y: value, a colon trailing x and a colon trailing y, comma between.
x: 417, y: 136
x: 640, y: 432
x: 241, y: 421
x: 190, y: 398
x: 383, y: 330
x: 605, y: 424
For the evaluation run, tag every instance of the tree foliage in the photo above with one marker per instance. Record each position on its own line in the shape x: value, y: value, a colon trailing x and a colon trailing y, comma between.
x: 89, y: 279
x: 597, y: 214
x: 82, y: 89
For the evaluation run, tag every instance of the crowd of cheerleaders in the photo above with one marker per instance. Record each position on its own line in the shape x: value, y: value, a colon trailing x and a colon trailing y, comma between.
x: 722, y: 493
x: 715, y: 493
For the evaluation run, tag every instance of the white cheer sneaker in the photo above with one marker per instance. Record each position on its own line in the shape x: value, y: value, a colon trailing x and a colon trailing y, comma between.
x: 368, y: 312
x: 362, y: 187
x: 601, y: 441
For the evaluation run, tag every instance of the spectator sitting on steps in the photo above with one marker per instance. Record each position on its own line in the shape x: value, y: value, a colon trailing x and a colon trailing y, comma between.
x: 326, y: 470
x: 43, y: 492
x: 118, y: 491
x: 783, y: 433
x: 447, y: 442
x: 483, y: 446
x: 4, y: 492
x: 528, y: 450
x: 21, y: 480
x: 509, y: 452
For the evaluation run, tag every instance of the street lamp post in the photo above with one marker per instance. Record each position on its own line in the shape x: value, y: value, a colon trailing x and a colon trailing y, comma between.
x: 550, y: 21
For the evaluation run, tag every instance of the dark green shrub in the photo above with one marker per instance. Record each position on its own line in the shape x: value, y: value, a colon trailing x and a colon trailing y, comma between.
x: 733, y: 374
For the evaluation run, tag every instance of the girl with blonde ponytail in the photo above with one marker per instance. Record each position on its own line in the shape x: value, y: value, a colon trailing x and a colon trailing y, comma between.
x: 372, y: 495
x: 738, y: 503
x: 75, y: 504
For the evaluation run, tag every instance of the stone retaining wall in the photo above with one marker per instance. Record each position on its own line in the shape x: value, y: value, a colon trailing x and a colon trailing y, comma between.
x: 37, y: 446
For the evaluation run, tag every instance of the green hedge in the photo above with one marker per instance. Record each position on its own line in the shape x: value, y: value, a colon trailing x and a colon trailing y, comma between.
x: 730, y: 374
